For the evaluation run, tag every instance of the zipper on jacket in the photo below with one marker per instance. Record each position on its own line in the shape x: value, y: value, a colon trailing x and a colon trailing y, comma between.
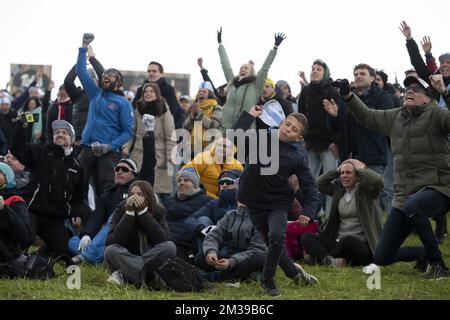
x: 34, y: 195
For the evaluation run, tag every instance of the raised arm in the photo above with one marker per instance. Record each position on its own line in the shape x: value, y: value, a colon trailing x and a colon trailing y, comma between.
x: 88, y: 84
x: 226, y: 66
x: 261, y: 76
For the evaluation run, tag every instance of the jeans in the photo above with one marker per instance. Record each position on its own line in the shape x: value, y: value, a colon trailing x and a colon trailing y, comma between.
x: 206, y: 221
x: 272, y: 225
x: 415, y: 215
x: 95, y: 251
x: 100, y: 168
x: 324, y: 161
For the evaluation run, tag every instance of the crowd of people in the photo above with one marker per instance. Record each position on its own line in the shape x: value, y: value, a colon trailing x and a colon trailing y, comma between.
x: 100, y: 176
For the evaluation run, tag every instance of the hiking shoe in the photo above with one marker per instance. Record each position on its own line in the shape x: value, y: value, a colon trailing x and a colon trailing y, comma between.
x: 437, y: 271
x: 78, y: 259
x: 116, y: 278
x: 303, y: 278
x: 270, y: 289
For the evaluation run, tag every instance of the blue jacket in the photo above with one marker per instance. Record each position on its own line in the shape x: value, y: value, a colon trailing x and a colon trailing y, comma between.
x: 110, y: 117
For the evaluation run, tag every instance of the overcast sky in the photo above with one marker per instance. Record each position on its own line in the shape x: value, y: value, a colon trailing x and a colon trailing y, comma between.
x: 131, y: 33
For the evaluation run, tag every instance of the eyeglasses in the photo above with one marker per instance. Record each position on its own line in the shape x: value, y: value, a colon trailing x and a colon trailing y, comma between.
x: 226, y: 181
x: 124, y: 169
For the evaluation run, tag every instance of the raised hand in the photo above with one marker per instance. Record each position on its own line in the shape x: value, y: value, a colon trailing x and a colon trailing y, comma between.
x: 279, y: 37
x: 437, y: 81
x: 200, y: 62
x: 303, y: 80
x: 256, y: 111
x: 219, y: 36
x: 87, y: 39
x: 406, y: 30
x: 426, y: 44
x: 330, y: 107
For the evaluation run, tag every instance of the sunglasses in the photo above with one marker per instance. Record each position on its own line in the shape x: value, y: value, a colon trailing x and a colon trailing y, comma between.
x: 226, y: 181
x: 124, y: 169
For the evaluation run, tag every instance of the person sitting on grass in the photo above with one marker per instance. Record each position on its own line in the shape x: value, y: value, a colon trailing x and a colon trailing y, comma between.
x: 354, y: 226
x: 232, y: 250
x: 15, y: 227
x: 138, y: 235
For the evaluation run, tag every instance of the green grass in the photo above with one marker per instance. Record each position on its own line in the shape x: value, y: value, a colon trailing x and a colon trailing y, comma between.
x: 398, y: 281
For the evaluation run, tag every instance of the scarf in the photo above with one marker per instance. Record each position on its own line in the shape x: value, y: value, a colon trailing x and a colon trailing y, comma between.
x: 153, y: 108
x: 183, y: 196
x: 237, y: 82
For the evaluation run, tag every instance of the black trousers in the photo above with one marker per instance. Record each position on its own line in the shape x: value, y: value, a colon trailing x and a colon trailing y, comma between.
x: 355, y: 251
x: 272, y: 225
x: 53, y: 232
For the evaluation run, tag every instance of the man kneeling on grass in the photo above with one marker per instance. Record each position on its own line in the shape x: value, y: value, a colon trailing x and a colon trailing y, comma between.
x: 354, y: 226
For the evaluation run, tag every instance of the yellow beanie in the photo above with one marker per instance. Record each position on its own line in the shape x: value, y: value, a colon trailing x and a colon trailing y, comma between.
x: 269, y: 81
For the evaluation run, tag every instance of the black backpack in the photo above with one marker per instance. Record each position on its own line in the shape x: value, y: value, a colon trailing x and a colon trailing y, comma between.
x: 174, y: 274
x: 34, y: 266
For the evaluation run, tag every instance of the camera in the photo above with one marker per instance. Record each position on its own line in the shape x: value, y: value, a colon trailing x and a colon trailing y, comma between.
x: 28, y: 117
x: 336, y: 83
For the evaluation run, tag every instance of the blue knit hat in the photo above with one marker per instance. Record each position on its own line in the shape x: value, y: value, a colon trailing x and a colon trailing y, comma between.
x: 9, y: 175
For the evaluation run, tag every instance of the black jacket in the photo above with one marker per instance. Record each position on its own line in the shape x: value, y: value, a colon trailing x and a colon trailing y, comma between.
x: 320, y: 131
x: 105, y: 207
x: 61, y: 191
x: 270, y: 192
x: 177, y: 213
x: 79, y: 98
x: 139, y: 233
x: 7, y: 124
x: 421, y: 67
x: 15, y: 228
x: 363, y: 144
x: 168, y: 93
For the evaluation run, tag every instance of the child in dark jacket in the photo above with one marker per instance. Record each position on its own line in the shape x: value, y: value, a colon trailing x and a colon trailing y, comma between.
x: 269, y: 197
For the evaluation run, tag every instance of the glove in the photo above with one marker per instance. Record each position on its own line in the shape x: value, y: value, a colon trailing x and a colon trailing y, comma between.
x: 99, y: 149
x: 219, y: 36
x: 149, y: 122
x: 279, y: 38
x: 129, y: 203
x: 139, y: 203
x: 84, y: 243
x: 344, y: 87
x: 87, y: 39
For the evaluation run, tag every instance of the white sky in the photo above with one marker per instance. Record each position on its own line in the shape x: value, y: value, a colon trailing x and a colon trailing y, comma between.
x: 131, y: 33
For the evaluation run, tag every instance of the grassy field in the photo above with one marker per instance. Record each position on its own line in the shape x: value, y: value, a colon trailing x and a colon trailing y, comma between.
x: 398, y: 281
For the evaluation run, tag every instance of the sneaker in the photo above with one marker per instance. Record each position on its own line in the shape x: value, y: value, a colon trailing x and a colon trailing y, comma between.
x: 116, y: 278
x: 303, y: 278
x: 437, y: 271
x: 149, y: 122
x: 326, y: 261
x: 78, y: 259
x: 270, y: 289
